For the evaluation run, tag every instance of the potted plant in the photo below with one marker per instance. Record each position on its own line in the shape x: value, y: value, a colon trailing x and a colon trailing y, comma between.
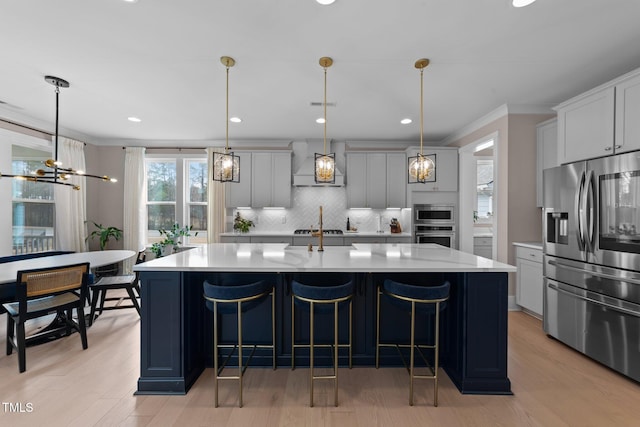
x: 241, y: 224
x: 172, y: 239
x: 104, y: 234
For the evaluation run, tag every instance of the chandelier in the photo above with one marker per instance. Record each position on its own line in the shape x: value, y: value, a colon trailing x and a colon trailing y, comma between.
x: 421, y: 167
x: 54, y: 172
x: 226, y: 166
x: 325, y: 164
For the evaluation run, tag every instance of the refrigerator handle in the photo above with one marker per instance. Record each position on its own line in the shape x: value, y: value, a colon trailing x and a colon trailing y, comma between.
x: 589, y: 210
x: 579, y: 213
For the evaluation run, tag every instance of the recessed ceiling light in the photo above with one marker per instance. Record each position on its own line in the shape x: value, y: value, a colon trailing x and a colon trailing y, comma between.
x: 235, y: 119
x: 130, y: 1
x: 522, y: 3
x: 134, y: 119
x: 406, y: 121
x: 325, y: 2
x: 320, y: 120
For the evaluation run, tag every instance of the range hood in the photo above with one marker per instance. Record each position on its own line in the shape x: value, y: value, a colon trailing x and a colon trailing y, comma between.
x: 304, y: 176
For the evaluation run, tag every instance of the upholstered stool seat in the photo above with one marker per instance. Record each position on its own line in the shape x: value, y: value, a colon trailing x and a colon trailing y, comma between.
x: 237, y: 299
x: 430, y: 300
x: 321, y: 299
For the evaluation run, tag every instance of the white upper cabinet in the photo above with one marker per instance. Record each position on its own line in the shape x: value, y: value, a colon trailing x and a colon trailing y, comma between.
x: 376, y: 180
x: 446, y: 177
x: 271, y: 180
x: 628, y: 115
x: 265, y: 181
x: 396, y: 180
x: 547, y: 152
x: 239, y: 193
x: 601, y: 122
x: 585, y: 126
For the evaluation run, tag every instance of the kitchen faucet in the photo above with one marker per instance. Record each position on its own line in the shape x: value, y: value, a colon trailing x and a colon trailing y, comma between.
x: 319, y: 233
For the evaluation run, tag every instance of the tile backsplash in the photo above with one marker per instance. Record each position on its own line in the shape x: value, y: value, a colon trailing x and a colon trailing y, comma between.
x: 304, y: 213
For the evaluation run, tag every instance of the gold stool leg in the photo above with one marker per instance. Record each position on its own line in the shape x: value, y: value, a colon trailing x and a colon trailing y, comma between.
x: 273, y: 327
x: 335, y: 359
x: 240, y: 352
x: 411, y: 360
x: 293, y: 333
x: 311, y: 354
x: 350, y: 334
x: 378, y: 328
x: 215, y: 352
x: 437, y: 355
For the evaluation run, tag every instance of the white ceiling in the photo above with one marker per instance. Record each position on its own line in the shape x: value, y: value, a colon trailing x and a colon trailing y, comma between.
x: 160, y: 60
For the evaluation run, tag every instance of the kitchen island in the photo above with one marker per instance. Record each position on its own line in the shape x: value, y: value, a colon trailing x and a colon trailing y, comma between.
x: 176, y: 327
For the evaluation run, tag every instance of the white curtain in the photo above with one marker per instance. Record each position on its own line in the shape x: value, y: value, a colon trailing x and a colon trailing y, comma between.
x: 71, y: 208
x: 135, y: 218
x: 216, y: 201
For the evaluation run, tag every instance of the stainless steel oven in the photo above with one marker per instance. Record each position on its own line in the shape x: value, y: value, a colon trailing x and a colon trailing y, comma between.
x: 434, y: 224
x: 433, y: 214
x: 444, y: 235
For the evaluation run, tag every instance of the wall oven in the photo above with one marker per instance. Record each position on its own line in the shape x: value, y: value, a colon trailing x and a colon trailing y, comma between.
x: 434, y: 224
x: 591, y: 233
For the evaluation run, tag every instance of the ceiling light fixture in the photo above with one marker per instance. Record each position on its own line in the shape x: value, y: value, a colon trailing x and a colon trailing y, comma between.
x: 226, y: 166
x: 522, y: 3
x: 421, y: 167
x: 134, y: 119
x: 55, y: 173
x: 325, y: 164
x: 325, y: 2
x: 235, y: 120
x: 406, y: 121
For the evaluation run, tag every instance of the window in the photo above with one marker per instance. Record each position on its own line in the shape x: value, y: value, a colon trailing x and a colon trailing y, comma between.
x: 177, y: 192
x: 484, y: 191
x: 33, y: 208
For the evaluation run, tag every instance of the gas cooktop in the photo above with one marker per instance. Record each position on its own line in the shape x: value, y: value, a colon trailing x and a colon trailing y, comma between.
x: 315, y: 230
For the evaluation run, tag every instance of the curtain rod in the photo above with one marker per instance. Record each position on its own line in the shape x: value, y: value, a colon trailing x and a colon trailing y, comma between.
x: 26, y: 127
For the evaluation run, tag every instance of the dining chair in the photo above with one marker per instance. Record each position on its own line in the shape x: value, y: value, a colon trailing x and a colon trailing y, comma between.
x: 40, y: 292
x: 129, y: 282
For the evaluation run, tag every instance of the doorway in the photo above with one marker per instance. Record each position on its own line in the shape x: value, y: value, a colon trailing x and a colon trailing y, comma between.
x: 478, y: 195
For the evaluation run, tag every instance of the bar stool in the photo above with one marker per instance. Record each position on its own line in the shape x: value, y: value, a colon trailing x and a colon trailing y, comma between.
x: 227, y: 299
x: 415, y: 299
x: 321, y: 299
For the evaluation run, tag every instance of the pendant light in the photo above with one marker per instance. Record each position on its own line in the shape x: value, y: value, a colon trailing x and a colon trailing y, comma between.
x: 226, y: 166
x: 325, y: 164
x: 55, y: 173
x: 421, y: 167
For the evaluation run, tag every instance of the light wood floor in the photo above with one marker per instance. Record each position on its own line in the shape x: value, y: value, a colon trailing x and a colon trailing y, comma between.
x: 552, y: 386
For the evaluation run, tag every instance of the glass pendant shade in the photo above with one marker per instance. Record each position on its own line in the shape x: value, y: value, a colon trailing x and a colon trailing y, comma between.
x: 421, y: 168
x: 325, y: 166
x: 226, y: 167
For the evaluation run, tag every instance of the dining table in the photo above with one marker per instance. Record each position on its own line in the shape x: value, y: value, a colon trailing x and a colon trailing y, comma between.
x: 9, y: 270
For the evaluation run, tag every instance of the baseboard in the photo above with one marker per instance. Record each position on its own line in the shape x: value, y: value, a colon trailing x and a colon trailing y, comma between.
x: 512, y: 304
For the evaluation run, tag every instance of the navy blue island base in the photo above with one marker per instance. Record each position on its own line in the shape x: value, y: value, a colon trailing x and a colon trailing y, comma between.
x: 176, y: 336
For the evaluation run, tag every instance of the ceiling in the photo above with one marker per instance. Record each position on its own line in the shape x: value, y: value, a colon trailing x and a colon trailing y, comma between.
x: 159, y: 60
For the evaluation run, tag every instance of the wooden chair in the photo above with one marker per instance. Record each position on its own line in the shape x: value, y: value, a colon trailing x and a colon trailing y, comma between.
x: 43, y: 291
x: 129, y: 282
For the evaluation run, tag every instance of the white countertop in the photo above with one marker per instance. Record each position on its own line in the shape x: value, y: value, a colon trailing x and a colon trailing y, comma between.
x: 291, y: 234
x: 279, y: 257
x: 530, y: 245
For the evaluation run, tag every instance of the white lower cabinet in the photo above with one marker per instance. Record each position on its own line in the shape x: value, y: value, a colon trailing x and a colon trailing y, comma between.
x: 483, y: 246
x: 235, y: 239
x: 530, y: 283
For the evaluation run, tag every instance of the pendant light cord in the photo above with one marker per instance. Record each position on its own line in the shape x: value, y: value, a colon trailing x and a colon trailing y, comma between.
x: 325, y: 111
x: 421, y: 108
x: 226, y: 149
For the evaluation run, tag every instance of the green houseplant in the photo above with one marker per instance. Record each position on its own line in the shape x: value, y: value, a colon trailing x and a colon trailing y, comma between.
x: 241, y: 224
x: 104, y: 234
x: 172, y: 239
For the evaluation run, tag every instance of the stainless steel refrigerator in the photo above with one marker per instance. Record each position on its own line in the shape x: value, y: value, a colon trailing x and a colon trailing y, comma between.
x: 591, y: 240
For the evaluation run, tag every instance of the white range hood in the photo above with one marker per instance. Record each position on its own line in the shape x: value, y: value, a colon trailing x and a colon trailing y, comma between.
x: 304, y: 176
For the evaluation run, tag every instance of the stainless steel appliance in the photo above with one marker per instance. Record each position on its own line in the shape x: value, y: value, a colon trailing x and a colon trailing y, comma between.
x: 592, y: 259
x: 434, y: 224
